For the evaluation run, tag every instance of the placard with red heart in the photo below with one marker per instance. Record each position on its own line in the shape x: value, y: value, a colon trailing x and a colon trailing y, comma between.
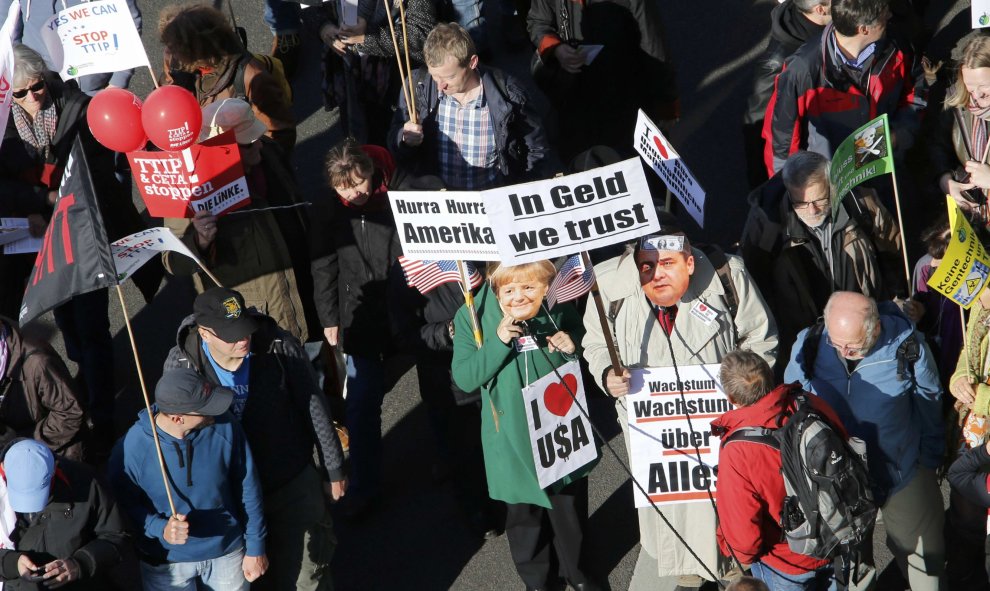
x: 560, y: 433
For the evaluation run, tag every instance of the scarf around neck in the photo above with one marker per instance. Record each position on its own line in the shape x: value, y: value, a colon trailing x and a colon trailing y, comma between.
x: 39, y: 133
x: 978, y: 133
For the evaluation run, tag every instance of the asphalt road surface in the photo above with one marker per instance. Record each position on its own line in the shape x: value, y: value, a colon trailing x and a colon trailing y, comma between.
x: 416, y: 539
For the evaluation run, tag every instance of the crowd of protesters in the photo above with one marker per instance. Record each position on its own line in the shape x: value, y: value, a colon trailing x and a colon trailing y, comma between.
x: 225, y: 482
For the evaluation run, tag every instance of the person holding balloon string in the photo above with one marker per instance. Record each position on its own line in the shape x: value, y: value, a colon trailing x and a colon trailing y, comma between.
x: 47, y: 117
x: 515, y: 324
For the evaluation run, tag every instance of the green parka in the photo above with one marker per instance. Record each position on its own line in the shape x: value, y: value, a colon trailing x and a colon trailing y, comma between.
x: 499, y: 371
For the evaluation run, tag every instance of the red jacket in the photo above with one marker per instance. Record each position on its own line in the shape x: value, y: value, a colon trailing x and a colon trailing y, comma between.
x: 816, y: 104
x: 751, y: 488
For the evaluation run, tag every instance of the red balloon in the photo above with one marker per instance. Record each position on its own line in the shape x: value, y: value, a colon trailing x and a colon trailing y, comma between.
x: 172, y: 118
x: 114, y: 117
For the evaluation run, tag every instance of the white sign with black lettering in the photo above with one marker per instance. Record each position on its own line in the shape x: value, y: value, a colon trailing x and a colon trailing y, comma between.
x: 443, y: 225
x: 667, y: 163
x: 570, y: 214
x: 672, y: 452
x: 560, y: 433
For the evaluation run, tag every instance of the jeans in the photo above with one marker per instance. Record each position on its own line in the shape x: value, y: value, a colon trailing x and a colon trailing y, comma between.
x: 471, y: 15
x: 217, y: 574
x: 85, y: 324
x: 300, y: 541
x: 815, y: 580
x: 914, y: 519
x: 365, y: 394
x: 282, y: 16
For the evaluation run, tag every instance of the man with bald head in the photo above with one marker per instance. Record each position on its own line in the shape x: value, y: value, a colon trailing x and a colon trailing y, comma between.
x: 871, y: 365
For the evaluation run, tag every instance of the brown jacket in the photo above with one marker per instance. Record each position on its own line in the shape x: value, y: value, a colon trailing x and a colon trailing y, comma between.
x: 263, y: 91
x: 253, y: 83
x: 253, y: 251
x: 38, y: 398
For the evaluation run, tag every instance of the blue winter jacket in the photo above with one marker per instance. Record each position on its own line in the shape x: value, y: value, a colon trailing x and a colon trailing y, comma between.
x: 213, y: 481
x: 900, y: 420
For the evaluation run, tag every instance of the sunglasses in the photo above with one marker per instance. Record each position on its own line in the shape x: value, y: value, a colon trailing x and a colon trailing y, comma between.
x: 36, y: 87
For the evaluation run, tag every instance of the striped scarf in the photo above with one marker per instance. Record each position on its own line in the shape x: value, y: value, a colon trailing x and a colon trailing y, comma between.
x: 978, y: 134
x: 4, y: 350
x: 39, y: 133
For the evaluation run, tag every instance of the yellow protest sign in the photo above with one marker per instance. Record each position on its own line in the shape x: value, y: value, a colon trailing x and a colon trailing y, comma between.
x: 964, y: 269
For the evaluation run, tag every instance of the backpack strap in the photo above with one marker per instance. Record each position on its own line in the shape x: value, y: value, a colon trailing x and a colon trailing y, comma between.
x: 907, y: 354
x: 809, y: 350
x: 238, y: 82
x: 720, y: 261
x: 760, y: 435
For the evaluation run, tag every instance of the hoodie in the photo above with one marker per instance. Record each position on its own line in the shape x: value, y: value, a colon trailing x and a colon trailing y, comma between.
x: 213, y: 481
x: 751, y: 489
x: 900, y: 420
x: 34, y: 14
x: 789, y: 29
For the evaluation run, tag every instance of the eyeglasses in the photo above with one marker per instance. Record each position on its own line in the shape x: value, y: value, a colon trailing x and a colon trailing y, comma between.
x: 36, y: 87
x: 859, y: 349
x: 818, y: 203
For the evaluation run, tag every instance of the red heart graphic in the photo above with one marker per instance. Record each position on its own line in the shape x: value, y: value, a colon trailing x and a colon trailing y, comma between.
x: 661, y: 147
x: 556, y: 397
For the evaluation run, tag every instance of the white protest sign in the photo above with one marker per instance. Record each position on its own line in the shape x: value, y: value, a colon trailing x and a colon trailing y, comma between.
x: 443, y: 225
x: 560, y: 434
x: 980, y: 13
x: 93, y: 38
x: 130, y: 252
x: 16, y: 237
x: 7, y: 61
x: 348, y: 12
x: 662, y: 441
x: 667, y: 163
x: 570, y: 214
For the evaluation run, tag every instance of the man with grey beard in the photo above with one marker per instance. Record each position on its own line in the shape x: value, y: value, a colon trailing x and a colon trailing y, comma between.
x: 799, y: 249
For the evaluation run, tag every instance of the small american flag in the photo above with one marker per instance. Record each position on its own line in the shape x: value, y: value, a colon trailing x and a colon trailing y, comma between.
x: 573, y: 281
x: 427, y: 275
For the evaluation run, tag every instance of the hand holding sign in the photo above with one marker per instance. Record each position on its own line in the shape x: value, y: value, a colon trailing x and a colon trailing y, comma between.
x: 114, y: 117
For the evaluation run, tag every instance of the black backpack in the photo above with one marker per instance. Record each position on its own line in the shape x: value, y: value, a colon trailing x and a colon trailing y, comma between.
x: 829, y: 506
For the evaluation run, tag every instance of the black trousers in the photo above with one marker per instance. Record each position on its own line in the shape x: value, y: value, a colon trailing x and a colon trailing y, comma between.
x: 531, y: 529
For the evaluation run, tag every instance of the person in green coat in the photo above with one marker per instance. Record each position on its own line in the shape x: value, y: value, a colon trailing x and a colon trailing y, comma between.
x: 509, y: 307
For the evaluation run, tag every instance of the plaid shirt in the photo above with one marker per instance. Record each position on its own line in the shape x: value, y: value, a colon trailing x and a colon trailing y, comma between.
x: 467, y: 153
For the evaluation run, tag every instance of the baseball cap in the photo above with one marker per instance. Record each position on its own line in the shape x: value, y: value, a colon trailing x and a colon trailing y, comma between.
x: 223, y: 311
x: 29, y: 466
x: 230, y: 114
x: 185, y: 392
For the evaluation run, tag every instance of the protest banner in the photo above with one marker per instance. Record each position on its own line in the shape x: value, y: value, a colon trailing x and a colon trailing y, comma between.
x: 667, y: 163
x: 668, y: 433
x: 7, y: 32
x: 863, y: 155
x: 570, y: 214
x: 560, y: 434
x: 93, y: 38
x: 170, y: 190
x: 980, y: 13
x: 443, y: 225
x: 964, y: 269
x: 130, y: 252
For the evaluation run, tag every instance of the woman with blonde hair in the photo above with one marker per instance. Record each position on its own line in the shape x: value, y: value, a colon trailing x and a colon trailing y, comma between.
x: 509, y: 307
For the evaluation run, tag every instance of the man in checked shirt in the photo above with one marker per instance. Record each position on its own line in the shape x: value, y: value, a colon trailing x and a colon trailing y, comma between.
x: 476, y: 128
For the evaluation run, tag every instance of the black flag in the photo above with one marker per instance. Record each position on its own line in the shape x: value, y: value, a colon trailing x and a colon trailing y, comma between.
x: 75, y: 254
